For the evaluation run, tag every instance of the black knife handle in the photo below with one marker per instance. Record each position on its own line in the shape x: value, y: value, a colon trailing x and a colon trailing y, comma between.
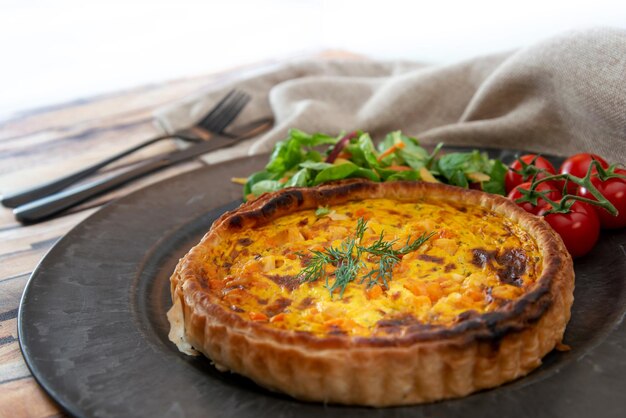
x: 20, y: 197
x: 48, y: 206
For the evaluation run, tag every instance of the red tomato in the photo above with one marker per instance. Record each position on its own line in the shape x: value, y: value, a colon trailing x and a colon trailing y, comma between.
x: 553, y: 194
x: 577, y: 165
x: 579, y: 229
x: 512, y: 179
x: 614, y: 190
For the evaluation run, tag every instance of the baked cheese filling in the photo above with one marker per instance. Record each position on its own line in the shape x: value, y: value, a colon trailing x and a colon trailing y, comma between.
x: 474, y: 262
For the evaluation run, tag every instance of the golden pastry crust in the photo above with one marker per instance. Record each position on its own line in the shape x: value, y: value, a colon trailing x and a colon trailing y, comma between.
x: 426, y: 364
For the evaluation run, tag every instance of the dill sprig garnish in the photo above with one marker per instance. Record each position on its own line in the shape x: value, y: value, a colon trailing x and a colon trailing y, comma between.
x: 348, y: 263
x: 388, y: 257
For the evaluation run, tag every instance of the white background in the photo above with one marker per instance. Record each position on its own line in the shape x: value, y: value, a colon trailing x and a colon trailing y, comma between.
x: 58, y: 51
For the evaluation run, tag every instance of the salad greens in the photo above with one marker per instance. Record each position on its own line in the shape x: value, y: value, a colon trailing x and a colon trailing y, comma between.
x: 300, y: 160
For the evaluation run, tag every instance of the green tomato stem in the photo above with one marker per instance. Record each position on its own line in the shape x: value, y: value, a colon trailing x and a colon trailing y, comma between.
x: 564, y: 205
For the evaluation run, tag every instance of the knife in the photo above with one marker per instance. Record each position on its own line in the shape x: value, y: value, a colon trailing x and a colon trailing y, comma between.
x: 46, y: 207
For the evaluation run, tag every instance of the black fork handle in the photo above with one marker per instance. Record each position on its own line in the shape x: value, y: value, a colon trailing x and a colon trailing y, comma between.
x: 20, y: 197
x: 51, y: 205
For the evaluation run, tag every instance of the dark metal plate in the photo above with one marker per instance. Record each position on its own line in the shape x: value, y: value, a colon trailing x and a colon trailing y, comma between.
x: 93, y: 329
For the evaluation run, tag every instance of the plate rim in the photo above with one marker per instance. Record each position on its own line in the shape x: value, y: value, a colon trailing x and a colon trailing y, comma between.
x: 65, y: 404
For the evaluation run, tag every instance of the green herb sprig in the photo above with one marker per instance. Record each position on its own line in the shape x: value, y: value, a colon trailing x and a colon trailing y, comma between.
x: 388, y: 257
x: 347, y: 259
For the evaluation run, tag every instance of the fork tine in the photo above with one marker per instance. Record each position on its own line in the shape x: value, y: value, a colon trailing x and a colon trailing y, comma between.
x: 228, y: 116
x: 230, y: 109
x: 218, y: 107
x: 228, y: 112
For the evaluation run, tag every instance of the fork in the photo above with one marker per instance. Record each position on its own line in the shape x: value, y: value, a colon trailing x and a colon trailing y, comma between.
x: 215, y: 121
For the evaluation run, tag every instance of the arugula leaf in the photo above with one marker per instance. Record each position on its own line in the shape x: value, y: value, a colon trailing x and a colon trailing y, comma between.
x: 464, y: 162
x: 497, y: 174
x: 300, y: 179
x: 366, y: 146
x: 313, y: 156
x: 265, y: 186
x: 409, y: 153
x: 322, y: 211
x: 288, y: 154
x: 387, y: 174
x: 362, y: 152
x: 454, y: 168
x: 335, y: 172
x: 314, y: 140
x: 449, y: 164
x: 365, y: 173
x: 387, y: 142
x: 315, y: 165
x: 458, y: 178
x: 255, y: 178
x: 405, y: 175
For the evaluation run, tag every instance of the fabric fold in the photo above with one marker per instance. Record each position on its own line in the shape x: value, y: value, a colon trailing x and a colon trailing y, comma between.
x: 564, y: 95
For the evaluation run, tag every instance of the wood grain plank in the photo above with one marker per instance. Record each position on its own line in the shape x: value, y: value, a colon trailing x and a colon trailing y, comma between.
x: 12, y: 367
x: 75, y: 152
x: 11, y: 292
x: 8, y: 326
x: 24, y: 398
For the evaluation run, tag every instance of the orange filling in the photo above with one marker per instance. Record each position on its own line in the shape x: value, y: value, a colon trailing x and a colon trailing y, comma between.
x: 476, y: 261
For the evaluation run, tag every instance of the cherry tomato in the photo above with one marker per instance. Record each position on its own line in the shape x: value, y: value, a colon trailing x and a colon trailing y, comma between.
x: 512, y: 179
x: 614, y: 190
x: 553, y: 194
x: 577, y: 165
x: 579, y: 229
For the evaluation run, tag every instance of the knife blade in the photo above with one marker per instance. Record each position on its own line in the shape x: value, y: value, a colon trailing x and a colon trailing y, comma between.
x: 46, y: 207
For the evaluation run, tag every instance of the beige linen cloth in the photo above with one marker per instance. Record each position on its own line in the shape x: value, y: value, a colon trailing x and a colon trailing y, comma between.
x: 564, y: 95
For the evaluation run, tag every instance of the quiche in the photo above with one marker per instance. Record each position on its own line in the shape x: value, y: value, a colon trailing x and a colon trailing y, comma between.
x: 450, y: 291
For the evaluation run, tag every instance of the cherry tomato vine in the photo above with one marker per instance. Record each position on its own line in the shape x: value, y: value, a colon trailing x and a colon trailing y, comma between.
x: 581, y: 208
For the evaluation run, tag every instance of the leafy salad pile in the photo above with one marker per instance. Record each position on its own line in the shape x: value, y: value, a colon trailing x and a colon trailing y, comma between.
x: 304, y: 160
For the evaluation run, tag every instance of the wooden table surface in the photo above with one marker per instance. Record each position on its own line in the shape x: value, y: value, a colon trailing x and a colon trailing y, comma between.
x: 47, y: 143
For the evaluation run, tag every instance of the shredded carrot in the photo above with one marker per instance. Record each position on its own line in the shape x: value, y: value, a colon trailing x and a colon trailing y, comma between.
x: 418, y: 289
x: 278, y: 317
x: 337, y: 322
x: 363, y: 213
x: 374, y: 291
x: 434, y: 291
x: 478, y: 177
x: 257, y: 316
x: 475, y: 295
x: 446, y: 233
x: 391, y: 150
x: 427, y: 176
x: 239, y: 180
